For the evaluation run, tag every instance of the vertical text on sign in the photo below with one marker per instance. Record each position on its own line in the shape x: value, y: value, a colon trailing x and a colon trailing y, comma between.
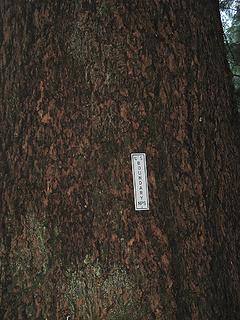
x: 140, y: 183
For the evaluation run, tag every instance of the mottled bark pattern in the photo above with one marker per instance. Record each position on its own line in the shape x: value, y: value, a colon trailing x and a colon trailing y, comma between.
x: 83, y: 85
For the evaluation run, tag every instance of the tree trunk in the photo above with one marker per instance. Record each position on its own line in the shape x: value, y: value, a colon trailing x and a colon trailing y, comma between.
x: 84, y: 84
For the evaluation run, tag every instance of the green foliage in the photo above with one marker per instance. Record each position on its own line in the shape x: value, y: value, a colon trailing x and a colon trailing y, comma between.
x: 230, y: 11
x: 224, y: 4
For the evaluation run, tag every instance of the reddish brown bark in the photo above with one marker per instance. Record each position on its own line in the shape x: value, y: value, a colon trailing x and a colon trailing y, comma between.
x: 84, y: 84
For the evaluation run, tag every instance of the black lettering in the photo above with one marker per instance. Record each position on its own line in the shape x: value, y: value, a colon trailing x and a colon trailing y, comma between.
x: 140, y: 203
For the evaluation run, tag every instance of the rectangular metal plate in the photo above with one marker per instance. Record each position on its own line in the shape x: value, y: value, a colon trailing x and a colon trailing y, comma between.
x: 140, y: 183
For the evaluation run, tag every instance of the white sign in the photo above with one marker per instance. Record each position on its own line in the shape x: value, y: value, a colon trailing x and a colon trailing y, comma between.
x: 140, y: 183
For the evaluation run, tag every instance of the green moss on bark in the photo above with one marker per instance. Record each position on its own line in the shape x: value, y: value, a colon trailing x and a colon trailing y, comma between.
x: 117, y: 290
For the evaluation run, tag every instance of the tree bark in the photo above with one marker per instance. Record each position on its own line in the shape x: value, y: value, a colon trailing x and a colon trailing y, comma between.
x: 85, y: 84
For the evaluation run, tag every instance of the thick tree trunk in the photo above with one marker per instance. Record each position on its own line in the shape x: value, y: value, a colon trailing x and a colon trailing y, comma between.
x: 84, y: 84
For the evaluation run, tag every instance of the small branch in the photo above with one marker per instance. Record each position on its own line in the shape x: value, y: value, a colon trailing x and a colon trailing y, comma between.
x: 230, y: 9
x: 228, y: 46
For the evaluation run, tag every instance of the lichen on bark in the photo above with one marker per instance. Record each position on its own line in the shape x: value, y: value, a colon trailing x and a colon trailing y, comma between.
x: 117, y: 290
x: 29, y: 255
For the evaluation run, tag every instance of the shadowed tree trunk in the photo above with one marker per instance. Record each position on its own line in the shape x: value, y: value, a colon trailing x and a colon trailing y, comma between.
x: 83, y: 85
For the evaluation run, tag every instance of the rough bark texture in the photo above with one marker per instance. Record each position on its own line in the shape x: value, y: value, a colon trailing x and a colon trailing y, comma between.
x: 83, y: 85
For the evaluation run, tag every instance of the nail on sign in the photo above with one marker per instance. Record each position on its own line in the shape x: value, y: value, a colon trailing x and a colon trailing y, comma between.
x: 140, y: 183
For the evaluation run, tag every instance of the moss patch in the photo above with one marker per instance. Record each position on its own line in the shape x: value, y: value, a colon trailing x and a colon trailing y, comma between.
x: 94, y: 294
x: 29, y: 255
